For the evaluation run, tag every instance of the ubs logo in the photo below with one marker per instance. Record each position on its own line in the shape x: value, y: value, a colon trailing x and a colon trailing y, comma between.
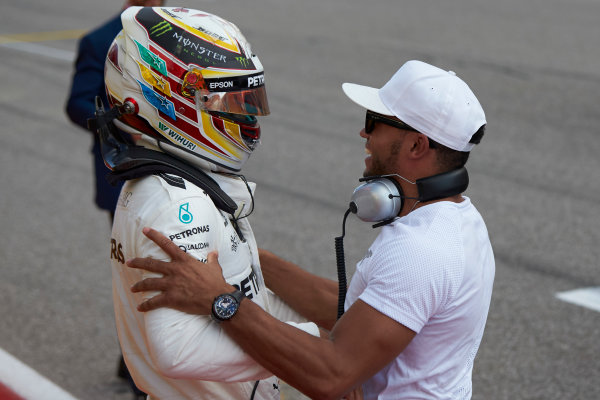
x: 116, y: 251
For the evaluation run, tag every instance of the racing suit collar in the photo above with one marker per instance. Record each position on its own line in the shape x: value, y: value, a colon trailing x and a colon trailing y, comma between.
x: 240, y: 191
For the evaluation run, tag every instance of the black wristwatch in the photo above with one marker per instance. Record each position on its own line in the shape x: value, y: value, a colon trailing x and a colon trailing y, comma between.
x: 226, y: 305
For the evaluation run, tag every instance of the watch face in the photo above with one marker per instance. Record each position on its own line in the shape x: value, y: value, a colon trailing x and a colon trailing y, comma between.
x: 225, y: 306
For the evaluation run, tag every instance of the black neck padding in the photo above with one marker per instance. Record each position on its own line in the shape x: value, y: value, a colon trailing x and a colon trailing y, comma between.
x: 443, y: 185
x: 128, y: 161
x: 131, y: 162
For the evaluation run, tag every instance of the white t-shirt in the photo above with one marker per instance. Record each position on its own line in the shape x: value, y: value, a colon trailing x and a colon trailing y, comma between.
x: 171, y: 354
x: 432, y: 271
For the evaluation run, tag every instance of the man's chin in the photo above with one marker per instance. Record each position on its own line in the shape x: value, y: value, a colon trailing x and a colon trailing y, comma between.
x: 367, y: 172
x: 371, y: 172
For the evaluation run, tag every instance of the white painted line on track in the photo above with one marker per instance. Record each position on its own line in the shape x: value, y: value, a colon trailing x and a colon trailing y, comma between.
x: 584, y: 297
x: 26, y: 382
x: 41, y: 50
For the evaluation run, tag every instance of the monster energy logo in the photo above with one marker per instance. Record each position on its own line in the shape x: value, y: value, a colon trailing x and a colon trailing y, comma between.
x: 243, y: 61
x: 161, y: 28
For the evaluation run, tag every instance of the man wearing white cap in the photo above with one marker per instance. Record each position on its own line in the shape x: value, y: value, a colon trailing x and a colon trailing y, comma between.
x: 417, y: 305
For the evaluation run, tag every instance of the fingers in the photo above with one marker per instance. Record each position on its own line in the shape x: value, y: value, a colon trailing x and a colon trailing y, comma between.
x: 149, y: 264
x: 165, y: 243
x: 213, y: 256
x: 158, y: 301
x: 149, y: 285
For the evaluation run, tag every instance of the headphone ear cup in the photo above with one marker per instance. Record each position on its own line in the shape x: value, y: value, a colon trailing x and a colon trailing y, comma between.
x: 377, y: 200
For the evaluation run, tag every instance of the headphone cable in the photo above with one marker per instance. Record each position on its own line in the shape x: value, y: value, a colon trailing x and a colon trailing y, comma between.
x: 341, y: 265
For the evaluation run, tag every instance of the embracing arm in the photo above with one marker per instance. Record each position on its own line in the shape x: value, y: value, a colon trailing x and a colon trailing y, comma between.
x: 314, y: 297
x: 361, y: 343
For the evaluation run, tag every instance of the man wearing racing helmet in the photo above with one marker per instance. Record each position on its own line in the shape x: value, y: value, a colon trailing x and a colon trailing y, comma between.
x: 186, y: 87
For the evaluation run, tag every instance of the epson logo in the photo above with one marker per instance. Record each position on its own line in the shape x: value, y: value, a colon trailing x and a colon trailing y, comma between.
x: 221, y: 85
x: 256, y: 80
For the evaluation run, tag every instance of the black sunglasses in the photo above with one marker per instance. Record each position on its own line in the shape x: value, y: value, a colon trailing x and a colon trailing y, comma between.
x: 373, y: 117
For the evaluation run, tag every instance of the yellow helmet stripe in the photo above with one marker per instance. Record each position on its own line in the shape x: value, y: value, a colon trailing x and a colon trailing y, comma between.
x: 157, y: 81
x: 228, y: 146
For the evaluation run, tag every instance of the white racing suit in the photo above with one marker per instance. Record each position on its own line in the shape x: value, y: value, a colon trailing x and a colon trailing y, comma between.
x: 171, y: 354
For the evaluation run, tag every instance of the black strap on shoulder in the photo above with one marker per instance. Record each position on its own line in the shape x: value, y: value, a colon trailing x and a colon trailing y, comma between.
x: 128, y: 161
x: 136, y: 162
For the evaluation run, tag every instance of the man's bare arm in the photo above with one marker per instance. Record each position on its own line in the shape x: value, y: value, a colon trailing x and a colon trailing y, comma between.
x: 312, y: 296
x: 361, y: 343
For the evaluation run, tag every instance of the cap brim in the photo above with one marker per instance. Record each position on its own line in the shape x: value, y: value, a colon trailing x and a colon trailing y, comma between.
x: 366, y: 97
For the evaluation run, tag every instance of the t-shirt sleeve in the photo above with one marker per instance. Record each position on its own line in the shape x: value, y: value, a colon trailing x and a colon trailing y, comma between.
x: 403, y: 283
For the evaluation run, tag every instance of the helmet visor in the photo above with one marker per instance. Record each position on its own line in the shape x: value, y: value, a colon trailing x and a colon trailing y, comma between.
x: 244, y: 95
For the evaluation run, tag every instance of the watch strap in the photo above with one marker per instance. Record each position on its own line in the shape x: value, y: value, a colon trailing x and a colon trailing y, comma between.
x: 238, y: 295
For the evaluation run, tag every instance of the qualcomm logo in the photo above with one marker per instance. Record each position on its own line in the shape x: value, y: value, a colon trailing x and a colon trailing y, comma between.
x: 185, y: 215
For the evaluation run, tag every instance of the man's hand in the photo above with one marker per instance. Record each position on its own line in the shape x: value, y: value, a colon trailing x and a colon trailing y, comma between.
x: 187, y: 284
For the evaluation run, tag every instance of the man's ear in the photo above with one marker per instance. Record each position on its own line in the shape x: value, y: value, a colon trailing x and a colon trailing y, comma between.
x: 419, y: 145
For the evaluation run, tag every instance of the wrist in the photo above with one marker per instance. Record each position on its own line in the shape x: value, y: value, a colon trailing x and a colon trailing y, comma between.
x: 226, y: 305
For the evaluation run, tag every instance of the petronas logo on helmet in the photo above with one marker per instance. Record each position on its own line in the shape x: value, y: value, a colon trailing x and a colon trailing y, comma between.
x: 161, y: 28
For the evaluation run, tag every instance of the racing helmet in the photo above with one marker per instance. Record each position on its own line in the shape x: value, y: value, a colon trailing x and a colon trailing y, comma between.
x: 191, y: 84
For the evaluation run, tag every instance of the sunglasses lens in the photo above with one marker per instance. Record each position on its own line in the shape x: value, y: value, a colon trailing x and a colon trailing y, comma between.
x: 371, y: 118
x: 369, y: 123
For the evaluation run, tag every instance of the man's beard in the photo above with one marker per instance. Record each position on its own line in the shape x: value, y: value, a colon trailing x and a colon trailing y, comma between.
x: 377, y: 168
x: 384, y: 167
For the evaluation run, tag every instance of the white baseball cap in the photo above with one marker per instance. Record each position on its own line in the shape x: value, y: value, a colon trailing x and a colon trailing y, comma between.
x: 435, y: 102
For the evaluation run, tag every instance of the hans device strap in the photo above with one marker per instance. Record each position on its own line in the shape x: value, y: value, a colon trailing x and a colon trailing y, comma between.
x: 128, y: 161
x: 135, y: 162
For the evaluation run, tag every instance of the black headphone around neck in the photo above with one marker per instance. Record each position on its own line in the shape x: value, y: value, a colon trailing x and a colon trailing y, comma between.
x: 381, y: 198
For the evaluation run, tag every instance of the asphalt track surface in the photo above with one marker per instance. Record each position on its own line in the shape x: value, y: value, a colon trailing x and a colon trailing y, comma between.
x: 533, y: 64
